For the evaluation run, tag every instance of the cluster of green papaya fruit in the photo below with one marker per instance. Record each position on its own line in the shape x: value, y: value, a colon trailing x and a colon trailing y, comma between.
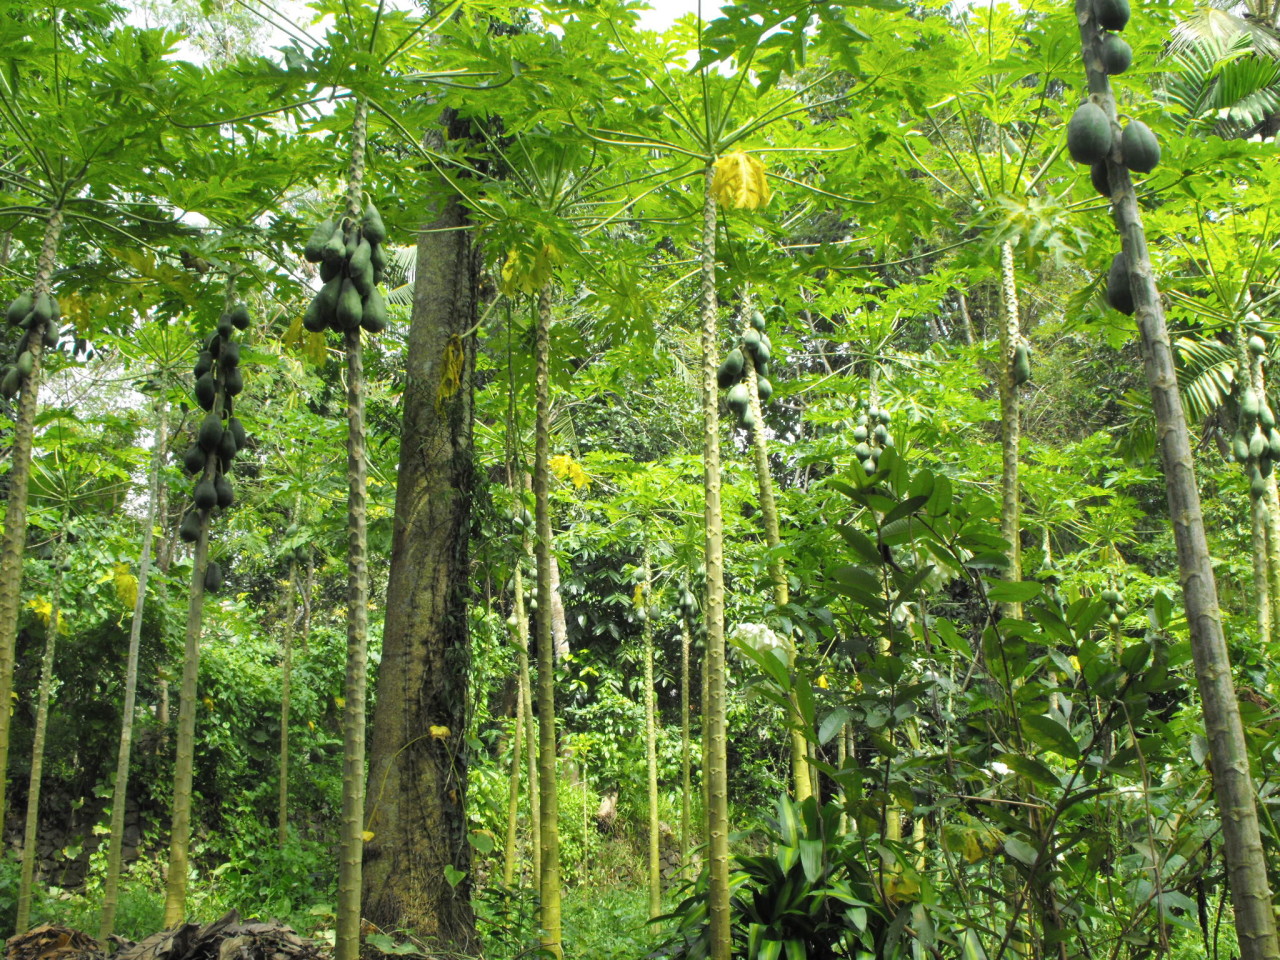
x: 732, y: 375
x: 37, y: 315
x: 1256, y: 442
x: 352, y: 263
x: 221, y: 435
x: 295, y: 551
x: 1089, y: 134
x: 872, y: 437
x: 688, y: 605
x: 1115, y: 600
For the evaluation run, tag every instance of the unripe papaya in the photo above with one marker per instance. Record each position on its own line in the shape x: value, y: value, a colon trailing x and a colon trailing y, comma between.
x: 237, y: 432
x: 1089, y: 134
x: 739, y: 399
x: 213, y: 346
x: 227, y: 449
x: 373, y: 317
x: 1257, y: 346
x: 43, y: 308
x: 189, y: 530
x: 205, y: 494
x: 862, y: 450
x: 230, y: 355
x: 19, y: 308
x: 204, y: 363
x: 764, y: 388
x: 313, y: 320
x: 225, y: 327
x: 314, y: 250
x: 860, y: 433
x: 751, y: 339
x: 194, y: 459
x: 1240, y: 447
x: 1021, y: 364
x: 375, y: 231
x: 1115, y: 53
x: 1139, y: 147
x: 350, y: 310
x: 330, y: 270
x: 1111, y: 14
x: 1100, y: 179
x: 334, y: 251
x: 11, y: 383
x: 1250, y: 405
x: 205, y: 391
x: 240, y: 317
x: 1258, y: 443
x: 757, y: 320
x: 731, y: 369
x: 1257, y: 482
x: 869, y: 465
x: 360, y: 260
x: 213, y: 576
x: 233, y: 381
x: 378, y: 260
x: 881, y: 433
x: 26, y: 363
x: 210, y: 432
x: 1119, y: 290
x: 226, y: 496
x: 1273, y: 439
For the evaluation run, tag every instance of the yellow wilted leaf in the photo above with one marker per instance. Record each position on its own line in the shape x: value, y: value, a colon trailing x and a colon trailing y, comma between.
x: 311, y: 725
x: 567, y: 468
x: 126, y: 586
x: 974, y: 842
x: 901, y: 888
x: 526, y: 270
x: 821, y: 682
x: 208, y: 702
x: 366, y: 835
x: 43, y: 609
x: 637, y: 598
x: 438, y: 732
x: 340, y: 702
x: 739, y: 182
x: 450, y: 370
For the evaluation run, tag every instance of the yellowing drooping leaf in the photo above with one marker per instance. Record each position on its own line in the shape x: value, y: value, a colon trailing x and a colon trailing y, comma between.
x: 366, y: 835
x: 451, y: 370
x: 438, y: 732
x: 637, y: 598
x: 42, y: 608
x: 208, y: 702
x: 340, y: 702
x: 739, y: 182
x: 973, y: 841
x: 527, y: 269
x: 822, y: 683
x: 126, y: 586
x: 567, y: 468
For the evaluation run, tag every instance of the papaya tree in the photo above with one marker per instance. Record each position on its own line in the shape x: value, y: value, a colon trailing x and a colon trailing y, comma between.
x: 1095, y: 137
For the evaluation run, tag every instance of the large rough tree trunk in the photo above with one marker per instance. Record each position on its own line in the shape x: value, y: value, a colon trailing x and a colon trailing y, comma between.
x: 549, y: 827
x: 15, y: 515
x: 686, y: 774
x: 1228, y: 754
x: 120, y: 792
x: 715, y: 767
x: 651, y: 750
x: 347, y: 943
x: 290, y: 589
x: 418, y: 752
x: 26, y: 878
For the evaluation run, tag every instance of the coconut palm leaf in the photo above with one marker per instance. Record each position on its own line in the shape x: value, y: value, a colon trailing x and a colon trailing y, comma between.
x: 1225, y: 85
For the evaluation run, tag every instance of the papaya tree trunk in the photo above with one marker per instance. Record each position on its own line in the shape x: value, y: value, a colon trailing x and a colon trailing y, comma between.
x: 1229, y: 758
x: 26, y: 878
x: 418, y: 860
x: 651, y: 750
x: 1010, y: 423
x: 513, y: 794
x: 549, y: 880
x: 1270, y: 515
x: 716, y: 763
x: 120, y: 791
x: 289, y: 588
x: 175, y: 888
x: 686, y: 777
x: 530, y: 732
x: 801, y: 773
x: 1259, y: 501
x: 15, y: 515
x: 351, y: 844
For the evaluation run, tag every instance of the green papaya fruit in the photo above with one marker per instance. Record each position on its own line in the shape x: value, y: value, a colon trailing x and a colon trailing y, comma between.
x: 11, y: 383
x: 226, y: 496
x: 213, y: 346
x: 1111, y: 596
x: 204, y: 363
x: 762, y: 368
x: 869, y: 466
x: 1088, y: 134
x: 1139, y: 147
x: 1257, y: 346
x: 1250, y: 405
x: 213, y: 576
x: 43, y: 309
x: 360, y: 260
x: 240, y: 316
x: 1116, y: 55
x: 862, y: 450
x: 205, y: 494
x: 329, y: 295
x: 19, y: 308
x: 225, y: 327
x: 760, y: 356
x: 1266, y: 416
x: 26, y: 363
x: 227, y: 448
x: 1257, y: 482
x: 1265, y: 464
x: 189, y: 530
x: 233, y: 381
x: 751, y: 339
x: 378, y: 260
x: 1258, y: 443
x: 210, y: 432
x: 730, y: 371
x: 1111, y: 14
x: 50, y: 338
x: 885, y: 415
x: 237, y: 433
x: 747, y: 420
x: 205, y: 391
x: 373, y: 315
x: 313, y: 319
x: 757, y: 320
x: 764, y: 388
x: 193, y: 460
x: 860, y: 433
x: 350, y: 310
x: 330, y: 270
x: 314, y: 250
x: 1240, y: 447
x: 374, y: 230
x: 881, y: 433
x: 1100, y: 179
x: 352, y: 237
x: 1273, y: 439
x: 334, y: 251
x: 739, y: 399
x: 230, y: 356
x: 1021, y: 364
x: 1119, y: 291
